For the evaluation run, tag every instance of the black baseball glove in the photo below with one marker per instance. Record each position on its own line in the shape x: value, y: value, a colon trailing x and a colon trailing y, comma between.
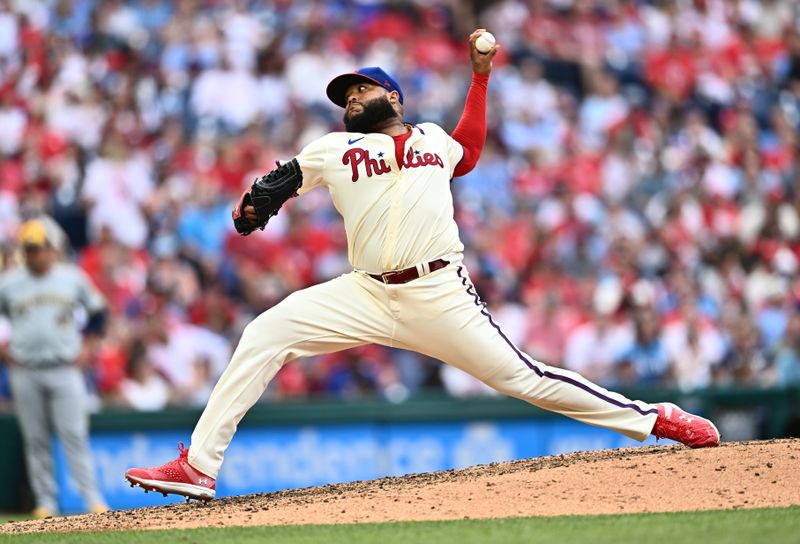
x: 267, y: 195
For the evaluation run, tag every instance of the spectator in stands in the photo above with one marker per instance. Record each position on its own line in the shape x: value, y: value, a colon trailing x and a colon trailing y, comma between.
x: 787, y: 355
x: 117, y: 189
x: 646, y: 363
x: 143, y: 389
x: 593, y: 348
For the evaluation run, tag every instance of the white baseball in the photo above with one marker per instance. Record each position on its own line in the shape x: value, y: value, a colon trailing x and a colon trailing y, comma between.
x: 485, y: 42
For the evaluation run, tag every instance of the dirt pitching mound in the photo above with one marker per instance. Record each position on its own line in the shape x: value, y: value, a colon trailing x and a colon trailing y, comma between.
x: 649, y: 479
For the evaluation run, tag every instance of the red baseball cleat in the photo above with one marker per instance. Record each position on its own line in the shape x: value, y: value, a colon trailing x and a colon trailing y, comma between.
x: 675, y: 424
x: 177, y: 477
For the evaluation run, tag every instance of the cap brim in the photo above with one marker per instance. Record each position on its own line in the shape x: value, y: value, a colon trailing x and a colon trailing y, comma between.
x: 339, y: 85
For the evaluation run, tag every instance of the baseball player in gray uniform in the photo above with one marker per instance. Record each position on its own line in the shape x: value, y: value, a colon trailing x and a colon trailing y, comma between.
x: 48, y: 388
x: 409, y: 287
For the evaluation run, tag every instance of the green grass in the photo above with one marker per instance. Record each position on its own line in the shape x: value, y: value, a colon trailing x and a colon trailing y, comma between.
x: 773, y: 526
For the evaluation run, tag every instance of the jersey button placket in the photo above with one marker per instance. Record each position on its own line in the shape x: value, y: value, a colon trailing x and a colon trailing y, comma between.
x: 392, y: 227
x: 393, y: 292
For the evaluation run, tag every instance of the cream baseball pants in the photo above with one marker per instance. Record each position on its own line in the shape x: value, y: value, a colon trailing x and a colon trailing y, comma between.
x: 439, y: 315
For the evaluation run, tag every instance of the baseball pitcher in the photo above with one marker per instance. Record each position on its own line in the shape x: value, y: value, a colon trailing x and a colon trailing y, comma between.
x: 409, y: 288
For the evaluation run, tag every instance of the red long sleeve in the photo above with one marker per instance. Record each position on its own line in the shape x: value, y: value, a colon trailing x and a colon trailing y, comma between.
x: 471, y: 129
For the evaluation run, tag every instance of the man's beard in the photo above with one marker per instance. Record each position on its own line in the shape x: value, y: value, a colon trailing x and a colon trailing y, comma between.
x: 373, y: 112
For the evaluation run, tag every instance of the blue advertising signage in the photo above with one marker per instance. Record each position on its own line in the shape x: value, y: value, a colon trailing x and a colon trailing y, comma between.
x: 274, y: 458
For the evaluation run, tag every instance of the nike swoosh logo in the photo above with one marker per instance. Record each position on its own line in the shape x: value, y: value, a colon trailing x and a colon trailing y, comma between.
x: 351, y: 142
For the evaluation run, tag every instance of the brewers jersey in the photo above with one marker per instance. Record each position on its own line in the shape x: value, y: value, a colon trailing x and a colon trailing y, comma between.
x: 44, y: 330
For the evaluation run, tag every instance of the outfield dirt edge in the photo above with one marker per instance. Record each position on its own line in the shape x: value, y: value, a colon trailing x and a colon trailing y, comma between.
x: 753, y: 474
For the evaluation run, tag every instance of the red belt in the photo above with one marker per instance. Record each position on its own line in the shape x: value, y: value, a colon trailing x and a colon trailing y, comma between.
x: 407, y: 274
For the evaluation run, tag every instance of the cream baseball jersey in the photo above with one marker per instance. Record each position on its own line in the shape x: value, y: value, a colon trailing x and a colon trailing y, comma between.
x: 395, y: 201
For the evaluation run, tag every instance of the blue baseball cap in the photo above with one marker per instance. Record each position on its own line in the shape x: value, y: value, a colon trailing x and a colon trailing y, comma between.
x: 371, y: 74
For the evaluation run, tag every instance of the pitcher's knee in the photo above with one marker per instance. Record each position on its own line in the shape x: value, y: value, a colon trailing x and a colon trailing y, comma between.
x: 265, y: 340
x: 265, y: 330
x: 251, y: 333
x: 514, y: 379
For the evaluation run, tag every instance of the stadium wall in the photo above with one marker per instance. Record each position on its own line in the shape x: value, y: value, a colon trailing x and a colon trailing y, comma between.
x: 315, y: 443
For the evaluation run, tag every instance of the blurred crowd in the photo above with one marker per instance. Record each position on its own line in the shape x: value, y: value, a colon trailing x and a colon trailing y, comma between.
x: 635, y: 215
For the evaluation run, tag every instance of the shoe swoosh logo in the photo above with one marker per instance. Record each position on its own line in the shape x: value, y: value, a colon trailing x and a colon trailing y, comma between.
x: 354, y: 140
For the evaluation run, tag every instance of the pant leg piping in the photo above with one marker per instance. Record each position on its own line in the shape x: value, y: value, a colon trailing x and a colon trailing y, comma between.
x: 470, y: 289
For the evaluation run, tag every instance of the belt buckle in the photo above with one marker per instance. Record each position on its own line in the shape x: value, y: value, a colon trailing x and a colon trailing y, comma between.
x: 386, y: 275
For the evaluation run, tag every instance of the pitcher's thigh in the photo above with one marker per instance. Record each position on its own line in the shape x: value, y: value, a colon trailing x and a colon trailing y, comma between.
x: 327, y: 317
x: 463, y: 334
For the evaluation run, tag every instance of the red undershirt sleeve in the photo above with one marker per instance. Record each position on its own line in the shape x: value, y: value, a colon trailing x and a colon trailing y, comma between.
x: 471, y: 129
